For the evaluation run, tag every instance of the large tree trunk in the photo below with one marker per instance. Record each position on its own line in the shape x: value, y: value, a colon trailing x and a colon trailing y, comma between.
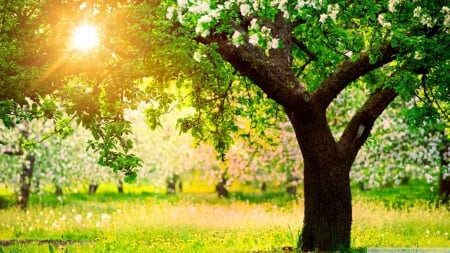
x: 328, y: 210
x: 25, y: 181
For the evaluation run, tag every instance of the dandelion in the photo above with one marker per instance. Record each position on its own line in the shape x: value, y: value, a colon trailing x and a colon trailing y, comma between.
x: 88, y: 215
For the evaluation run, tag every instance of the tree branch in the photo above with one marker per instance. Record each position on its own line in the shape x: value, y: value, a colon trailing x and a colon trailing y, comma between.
x: 359, y: 127
x: 349, y: 71
x: 271, y: 72
x: 13, y: 152
x: 312, y: 56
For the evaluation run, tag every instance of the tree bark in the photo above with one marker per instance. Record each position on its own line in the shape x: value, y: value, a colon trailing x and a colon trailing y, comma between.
x: 58, y: 190
x: 25, y: 181
x: 93, y: 189
x: 328, y: 209
x: 120, y: 187
x: 221, y: 188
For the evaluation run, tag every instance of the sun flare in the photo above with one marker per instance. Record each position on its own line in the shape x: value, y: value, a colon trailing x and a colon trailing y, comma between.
x: 85, y: 37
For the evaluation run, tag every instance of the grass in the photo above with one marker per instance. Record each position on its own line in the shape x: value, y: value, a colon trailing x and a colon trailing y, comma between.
x: 199, y: 222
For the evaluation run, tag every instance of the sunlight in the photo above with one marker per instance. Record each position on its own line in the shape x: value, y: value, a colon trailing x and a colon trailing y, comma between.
x: 85, y: 37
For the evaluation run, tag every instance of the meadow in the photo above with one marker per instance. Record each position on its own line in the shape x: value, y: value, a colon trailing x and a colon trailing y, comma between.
x: 142, y: 221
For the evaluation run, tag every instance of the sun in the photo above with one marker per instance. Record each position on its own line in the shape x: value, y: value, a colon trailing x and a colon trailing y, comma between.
x: 85, y: 37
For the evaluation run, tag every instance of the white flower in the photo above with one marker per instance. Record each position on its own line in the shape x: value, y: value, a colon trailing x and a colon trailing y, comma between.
x: 182, y: 3
x: 323, y: 18
x: 392, y: 5
x: 245, y: 9
x: 200, y: 8
x: 333, y: 10
x: 237, y: 38
x: 275, y: 43
x: 197, y: 56
x: 446, y: 11
x: 254, y: 24
x: 265, y: 30
x: 253, y: 39
x: 417, y: 12
x: 170, y: 11
x: 205, y: 19
x: 381, y: 19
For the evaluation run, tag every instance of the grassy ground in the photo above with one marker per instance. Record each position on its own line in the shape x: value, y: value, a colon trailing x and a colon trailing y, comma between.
x: 199, y: 222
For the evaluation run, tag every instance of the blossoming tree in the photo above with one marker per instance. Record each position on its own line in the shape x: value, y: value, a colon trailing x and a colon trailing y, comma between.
x: 303, y: 54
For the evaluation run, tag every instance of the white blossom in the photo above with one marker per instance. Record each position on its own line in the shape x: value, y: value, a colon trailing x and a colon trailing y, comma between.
x: 274, y: 43
x: 203, y: 7
x: 237, y: 38
x: 323, y: 18
x: 253, y: 39
x: 254, y: 24
x: 245, y: 9
x: 182, y: 3
x: 382, y: 20
x: 417, y: 12
x: 197, y: 56
x: 392, y: 5
x: 266, y: 30
x: 333, y: 10
x: 170, y: 11
x: 446, y: 11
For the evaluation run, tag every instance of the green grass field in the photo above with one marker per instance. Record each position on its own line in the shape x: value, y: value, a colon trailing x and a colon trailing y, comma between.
x: 199, y: 222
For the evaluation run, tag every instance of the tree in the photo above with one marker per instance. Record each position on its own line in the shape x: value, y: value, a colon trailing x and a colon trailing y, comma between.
x: 303, y: 54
